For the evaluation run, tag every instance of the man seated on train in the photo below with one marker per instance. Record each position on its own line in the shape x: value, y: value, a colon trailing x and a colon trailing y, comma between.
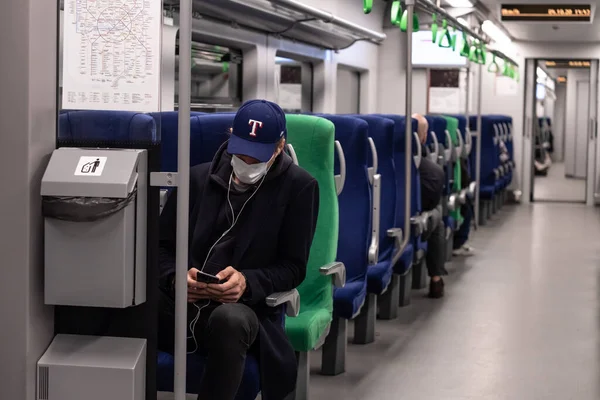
x: 432, y: 186
x: 253, y: 215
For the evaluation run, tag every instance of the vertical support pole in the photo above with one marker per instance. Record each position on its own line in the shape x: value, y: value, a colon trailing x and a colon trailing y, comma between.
x: 410, y: 9
x: 478, y: 147
x: 468, y: 95
x: 183, y: 195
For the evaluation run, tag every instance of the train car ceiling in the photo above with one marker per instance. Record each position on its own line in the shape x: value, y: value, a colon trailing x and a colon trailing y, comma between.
x: 548, y: 21
x: 286, y: 18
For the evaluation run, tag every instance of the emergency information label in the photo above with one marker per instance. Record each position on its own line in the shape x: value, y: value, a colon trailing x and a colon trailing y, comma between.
x: 90, y: 166
x: 111, y: 55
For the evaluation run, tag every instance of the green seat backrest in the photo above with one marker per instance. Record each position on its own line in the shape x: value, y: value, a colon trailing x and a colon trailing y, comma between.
x: 313, y: 141
x: 452, y: 126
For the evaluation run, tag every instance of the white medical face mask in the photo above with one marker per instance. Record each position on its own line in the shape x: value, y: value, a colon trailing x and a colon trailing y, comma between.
x: 248, y: 173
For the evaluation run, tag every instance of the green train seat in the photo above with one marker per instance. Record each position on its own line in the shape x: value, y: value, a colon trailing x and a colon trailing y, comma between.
x: 452, y: 126
x: 313, y: 141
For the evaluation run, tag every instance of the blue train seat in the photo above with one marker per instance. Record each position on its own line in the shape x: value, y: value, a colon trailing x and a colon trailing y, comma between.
x: 490, y: 184
x: 203, y: 147
x: 506, y: 126
x: 380, y: 274
x: 120, y: 126
x: 354, y: 236
x: 381, y: 131
x: 404, y: 265
x: 503, y: 177
x: 473, y: 155
x: 432, y: 146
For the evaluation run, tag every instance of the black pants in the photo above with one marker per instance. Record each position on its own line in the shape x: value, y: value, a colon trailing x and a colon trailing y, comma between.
x: 436, y: 251
x: 223, y: 332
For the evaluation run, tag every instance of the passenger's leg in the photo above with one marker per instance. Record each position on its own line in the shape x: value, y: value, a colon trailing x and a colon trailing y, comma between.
x: 436, y: 258
x: 462, y: 235
x: 229, y: 333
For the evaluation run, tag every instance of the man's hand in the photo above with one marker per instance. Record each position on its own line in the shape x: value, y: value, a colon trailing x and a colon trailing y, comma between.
x: 196, y: 290
x: 231, y: 290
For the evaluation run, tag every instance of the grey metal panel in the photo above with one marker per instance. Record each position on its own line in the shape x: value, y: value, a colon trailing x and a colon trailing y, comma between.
x: 141, y: 227
x: 27, y: 138
x: 91, y: 263
x: 117, y: 180
x: 104, y: 367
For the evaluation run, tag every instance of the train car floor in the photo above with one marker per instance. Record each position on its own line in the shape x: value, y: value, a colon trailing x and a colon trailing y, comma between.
x: 557, y: 187
x: 520, y: 320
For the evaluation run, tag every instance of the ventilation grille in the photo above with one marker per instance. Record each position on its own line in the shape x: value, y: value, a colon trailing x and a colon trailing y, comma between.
x: 43, y: 383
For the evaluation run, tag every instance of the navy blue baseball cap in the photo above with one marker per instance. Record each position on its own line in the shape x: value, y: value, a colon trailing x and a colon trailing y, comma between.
x: 257, y: 128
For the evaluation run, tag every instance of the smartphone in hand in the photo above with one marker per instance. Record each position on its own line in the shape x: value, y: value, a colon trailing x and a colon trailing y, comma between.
x: 207, y: 278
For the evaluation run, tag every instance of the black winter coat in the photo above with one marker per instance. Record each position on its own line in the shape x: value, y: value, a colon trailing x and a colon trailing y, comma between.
x: 272, y: 247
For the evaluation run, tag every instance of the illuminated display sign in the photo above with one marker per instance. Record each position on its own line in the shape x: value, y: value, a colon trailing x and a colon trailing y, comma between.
x: 561, y: 79
x: 568, y: 64
x: 546, y: 12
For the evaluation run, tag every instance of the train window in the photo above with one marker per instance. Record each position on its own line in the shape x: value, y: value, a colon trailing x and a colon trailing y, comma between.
x: 294, y: 85
x: 216, y: 78
x: 348, y: 91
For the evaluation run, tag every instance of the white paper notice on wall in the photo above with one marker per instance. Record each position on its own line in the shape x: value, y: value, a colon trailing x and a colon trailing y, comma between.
x: 112, y: 55
x: 90, y: 166
x: 506, y: 86
x: 444, y: 100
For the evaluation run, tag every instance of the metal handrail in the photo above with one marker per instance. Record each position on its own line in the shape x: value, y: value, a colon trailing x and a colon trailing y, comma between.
x: 328, y: 17
x: 426, y: 5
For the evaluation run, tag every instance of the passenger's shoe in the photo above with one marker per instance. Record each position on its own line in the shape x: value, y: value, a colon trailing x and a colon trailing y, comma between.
x: 465, y: 251
x: 436, y: 289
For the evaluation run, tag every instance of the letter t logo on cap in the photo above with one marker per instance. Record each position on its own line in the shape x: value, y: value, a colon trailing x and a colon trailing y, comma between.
x: 255, y: 124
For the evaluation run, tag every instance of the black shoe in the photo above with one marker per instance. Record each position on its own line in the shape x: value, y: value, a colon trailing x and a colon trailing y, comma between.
x: 436, y: 289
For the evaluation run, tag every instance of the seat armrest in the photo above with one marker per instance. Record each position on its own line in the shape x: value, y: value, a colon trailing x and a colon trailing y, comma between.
x: 452, y: 202
x: 397, y: 234
x: 340, y: 179
x: 471, y: 190
x: 441, y: 160
x: 375, y: 215
x: 290, y: 298
x: 418, y: 225
x: 337, y: 270
x: 462, y: 196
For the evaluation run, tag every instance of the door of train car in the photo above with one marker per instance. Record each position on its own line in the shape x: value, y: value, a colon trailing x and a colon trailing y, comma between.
x: 590, y: 170
x: 592, y: 164
x: 529, y: 119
